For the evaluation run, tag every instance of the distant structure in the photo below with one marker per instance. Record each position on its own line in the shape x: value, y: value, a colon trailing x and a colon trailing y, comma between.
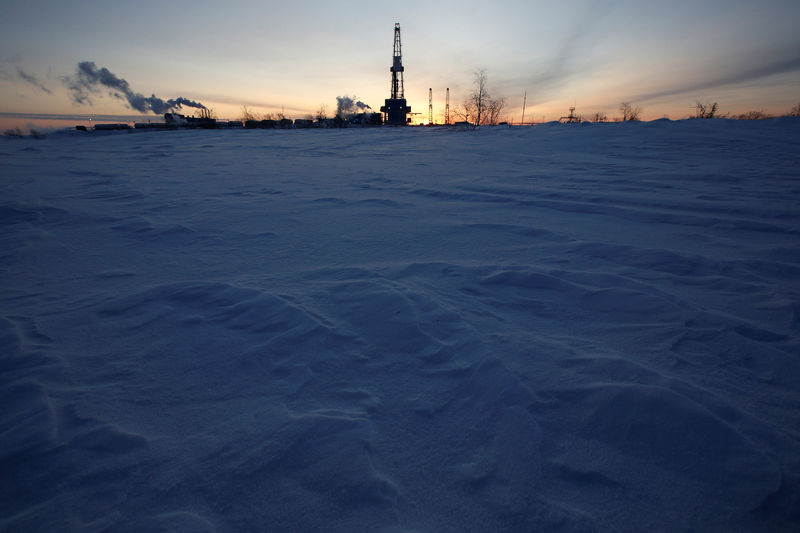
x: 572, y: 117
x: 174, y: 120
x: 430, y: 106
x: 447, y: 108
x: 395, y: 109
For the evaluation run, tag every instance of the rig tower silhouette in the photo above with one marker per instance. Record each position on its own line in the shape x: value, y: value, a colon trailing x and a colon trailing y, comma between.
x: 430, y: 106
x: 395, y: 109
x: 447, y: 108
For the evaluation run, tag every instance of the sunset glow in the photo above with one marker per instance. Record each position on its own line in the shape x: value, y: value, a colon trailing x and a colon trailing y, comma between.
x: 400, y: 267
x: 273, y: 57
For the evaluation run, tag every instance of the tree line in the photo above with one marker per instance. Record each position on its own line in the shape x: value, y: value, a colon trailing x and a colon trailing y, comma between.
x: 481, y: 108
x: 706, y: 110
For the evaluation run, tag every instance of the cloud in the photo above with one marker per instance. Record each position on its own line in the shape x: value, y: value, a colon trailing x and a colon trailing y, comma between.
x: 584, y: 31
x: 33, y: 80
x: 733, y: 76
x: 88, y: 79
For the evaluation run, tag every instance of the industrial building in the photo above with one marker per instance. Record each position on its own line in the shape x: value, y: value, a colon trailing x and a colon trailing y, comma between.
x: 394, y: 112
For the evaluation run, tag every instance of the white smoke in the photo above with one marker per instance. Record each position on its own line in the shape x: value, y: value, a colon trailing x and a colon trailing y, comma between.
x: 88, y: 78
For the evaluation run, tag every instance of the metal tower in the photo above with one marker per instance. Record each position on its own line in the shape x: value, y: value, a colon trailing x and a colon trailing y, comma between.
x: 430, y: 106
x: 395, y: 108
x: 397, y: 65
x: 524, y: 101
x: 447, y: 108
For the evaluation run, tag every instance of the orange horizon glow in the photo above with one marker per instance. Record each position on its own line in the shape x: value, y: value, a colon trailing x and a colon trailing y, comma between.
x: 662, y: 57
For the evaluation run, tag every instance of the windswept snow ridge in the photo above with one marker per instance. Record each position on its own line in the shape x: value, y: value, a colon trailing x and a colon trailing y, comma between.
x: 559, y: 328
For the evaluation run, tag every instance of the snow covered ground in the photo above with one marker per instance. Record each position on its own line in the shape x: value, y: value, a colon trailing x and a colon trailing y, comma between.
x: 557, y: 329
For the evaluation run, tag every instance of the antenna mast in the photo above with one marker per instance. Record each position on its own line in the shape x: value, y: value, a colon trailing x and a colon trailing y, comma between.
x: 430, y: 106
x: 447, y: 108
x: 524, y: 101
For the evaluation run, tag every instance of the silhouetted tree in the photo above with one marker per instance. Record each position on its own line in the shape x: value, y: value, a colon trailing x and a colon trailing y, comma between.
x: 480, y: 108
x: 463, y: 111
x: 754, y: 115
x: 14, y: 133
x: 795, y: 112
x: 706, y: 110
x: 629, y: 112
x: 480, y: 95
x: 493, y: 109
x: 247, y: 114
x: 599, y: 117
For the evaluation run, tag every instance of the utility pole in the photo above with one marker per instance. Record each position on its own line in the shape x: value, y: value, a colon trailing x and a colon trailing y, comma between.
x: 524, y: 101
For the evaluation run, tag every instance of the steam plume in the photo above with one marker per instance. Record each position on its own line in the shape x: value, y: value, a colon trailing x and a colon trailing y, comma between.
x: 346, y: 105
x: 33, y: 80
x: 88, y: 78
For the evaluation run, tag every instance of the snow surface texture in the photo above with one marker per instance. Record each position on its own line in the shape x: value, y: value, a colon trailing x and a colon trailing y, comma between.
x: 556, y: 329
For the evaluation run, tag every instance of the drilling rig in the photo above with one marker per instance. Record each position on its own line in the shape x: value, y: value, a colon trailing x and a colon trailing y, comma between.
x: 447, y: 108
x: 395, y: 109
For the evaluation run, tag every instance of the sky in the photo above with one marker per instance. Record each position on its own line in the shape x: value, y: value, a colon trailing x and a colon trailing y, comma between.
x: 293, y: 57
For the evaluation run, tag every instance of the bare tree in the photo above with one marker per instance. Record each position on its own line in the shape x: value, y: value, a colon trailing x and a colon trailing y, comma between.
x: 599, y: 117
x: 706, y: 110
x: 14, y: 133
x: 480, y: 96
x: 464, y: 111
x: 322, y: 112
x: 493, y: 109
x: 754, y: 115
x: 629, y: 111
x: 480, y: 108
x: 280, y: 115
x: 795, y: 112
x: 247, y: 114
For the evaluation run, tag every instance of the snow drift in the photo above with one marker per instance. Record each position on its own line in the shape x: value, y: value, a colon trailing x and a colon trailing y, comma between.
x: 558, y: 328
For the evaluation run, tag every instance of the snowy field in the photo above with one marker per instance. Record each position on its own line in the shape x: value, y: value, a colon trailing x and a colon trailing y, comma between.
x: 557, y: 329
